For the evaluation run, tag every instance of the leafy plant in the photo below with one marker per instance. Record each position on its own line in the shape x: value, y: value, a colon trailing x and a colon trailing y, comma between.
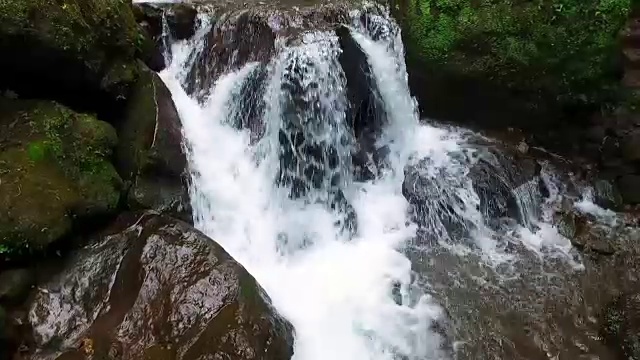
x: 566, y: 48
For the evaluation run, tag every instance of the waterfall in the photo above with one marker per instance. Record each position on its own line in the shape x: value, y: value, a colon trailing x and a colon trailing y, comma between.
x: 337, y: 254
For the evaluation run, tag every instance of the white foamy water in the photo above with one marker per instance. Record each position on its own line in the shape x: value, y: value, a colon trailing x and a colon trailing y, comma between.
x: 337, y: 291
x: 349, y: 294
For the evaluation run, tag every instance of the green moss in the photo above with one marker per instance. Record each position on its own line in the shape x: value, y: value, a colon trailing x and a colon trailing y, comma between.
x: 80, y: 25
x: 55, y: 168
x: 34, y: 202
x: 37, y: 150
x: 102, y: 34
x: 562, y: 47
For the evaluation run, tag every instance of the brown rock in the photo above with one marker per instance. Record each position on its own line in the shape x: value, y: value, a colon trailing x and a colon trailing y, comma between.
x: 631, y: 147
x: 156, y: 288
x: 621, y: 328
x: 150, y: 154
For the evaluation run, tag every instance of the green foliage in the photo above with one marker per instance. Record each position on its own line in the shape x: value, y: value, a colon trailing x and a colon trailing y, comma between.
x: 80, y: 25
x: 561, y: 47
x: 101, y: 35
x: 37, y: 150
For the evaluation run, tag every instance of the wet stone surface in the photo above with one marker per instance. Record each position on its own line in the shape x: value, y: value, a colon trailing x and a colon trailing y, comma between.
x: 155, y: 288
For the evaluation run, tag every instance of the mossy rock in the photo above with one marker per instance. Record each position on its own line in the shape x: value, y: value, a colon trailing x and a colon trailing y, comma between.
x: 150, y: 155
x: 560, y: 51
x: 78, y: 52
x: 54, y: 173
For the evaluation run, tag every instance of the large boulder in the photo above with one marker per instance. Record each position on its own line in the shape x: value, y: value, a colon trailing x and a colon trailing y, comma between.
x: 79, y: 53
x: 54, y: 173
x: 155, y: 288
x: 507, y: 185
x: 236, y: 39
x: 150, y: 155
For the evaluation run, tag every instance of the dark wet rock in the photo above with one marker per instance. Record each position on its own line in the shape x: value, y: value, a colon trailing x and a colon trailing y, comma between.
x: 629, y: 186
x: 631, y: 146
x: 4, y: 335
x: 435, y: 209
x: 508, y: 184
x: 178, y: 20
x: 55, y: 173
x: 593, y: 238
x: 235, y: 40
x: 245, y: 34
x: 15, y: 285
x: 621, y: 326
x: 92, y: 45
x: 586, y: 233
x: 606, y: 195
x: 10, y: 333
x: 567, y: 223
x: 366, y: 112
x: 150, y: 155
x: 251, y: 103
x: 154, y: 287
x: 181, y: 20
x: 150, y: 19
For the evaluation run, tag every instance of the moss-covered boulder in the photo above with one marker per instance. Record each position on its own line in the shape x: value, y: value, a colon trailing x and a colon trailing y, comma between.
x: 54, y: 173
x: 487, y: 53
x: 78, y: 52
x: 150, y: 155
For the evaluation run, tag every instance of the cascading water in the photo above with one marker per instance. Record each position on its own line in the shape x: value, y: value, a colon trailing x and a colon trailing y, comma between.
x: 269, y: 205
x: 338, y: 256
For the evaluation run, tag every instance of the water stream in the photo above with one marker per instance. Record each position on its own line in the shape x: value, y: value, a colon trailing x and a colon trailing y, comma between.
x: 344, y: 260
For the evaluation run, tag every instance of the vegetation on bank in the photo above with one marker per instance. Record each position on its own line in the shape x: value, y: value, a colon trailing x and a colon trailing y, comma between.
x: 562, y: 48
